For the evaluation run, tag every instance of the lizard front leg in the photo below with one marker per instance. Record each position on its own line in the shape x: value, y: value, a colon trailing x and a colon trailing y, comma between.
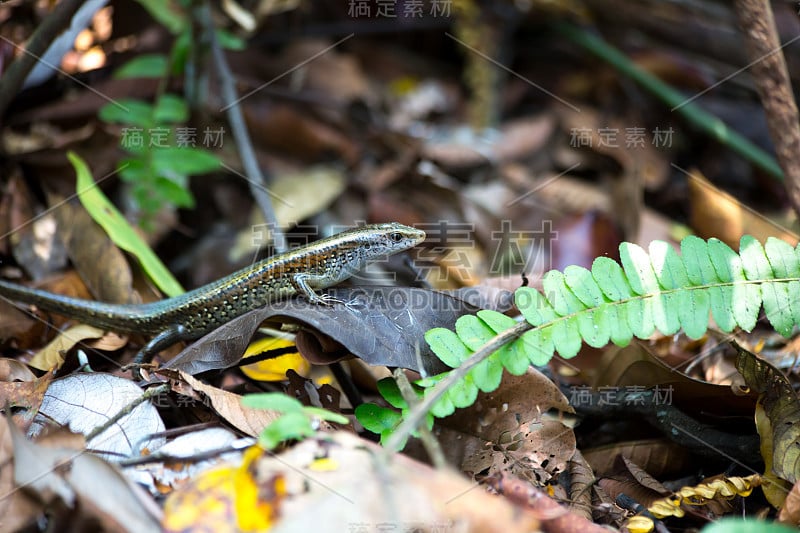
x: 300, y: 282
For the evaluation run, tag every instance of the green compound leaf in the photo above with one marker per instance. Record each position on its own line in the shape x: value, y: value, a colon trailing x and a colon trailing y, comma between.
x: 658, y: 289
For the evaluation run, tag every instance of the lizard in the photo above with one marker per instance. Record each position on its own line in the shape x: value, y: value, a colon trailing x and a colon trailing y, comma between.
x: 318, y: 265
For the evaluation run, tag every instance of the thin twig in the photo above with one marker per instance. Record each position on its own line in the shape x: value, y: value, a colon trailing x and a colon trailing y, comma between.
x: 774, y: 87
x: 255, y: 178
x: 426, y: 435
x: 50, y: 28
x: 149, y: 393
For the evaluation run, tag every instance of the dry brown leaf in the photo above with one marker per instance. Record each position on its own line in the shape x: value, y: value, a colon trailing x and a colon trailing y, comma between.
x: 27, y: 394
x: 51, y: 356
x: 555, y: 518
x: 292, y: 204
x: 790, y: 512
x: 35, y: 238
x: 13, y: 370
x: 89, y: 484
x: 18, y: 508
x: 229, y: 405
x: 660, y: 457
x: 100, y: 263
x: 334, y: 73
x: 715, y: 213
x: 782, y: 409
x: 581, y: 481
x: 640, y: 475
x: 505, y: 431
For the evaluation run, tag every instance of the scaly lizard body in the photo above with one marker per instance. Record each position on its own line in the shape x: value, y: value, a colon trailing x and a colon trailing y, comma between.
x: 318, y: 265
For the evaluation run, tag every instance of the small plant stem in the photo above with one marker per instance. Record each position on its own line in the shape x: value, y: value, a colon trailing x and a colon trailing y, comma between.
x: 125, y: 411
x: 255, y: 178
x: 693, y: 114
x: 426, y: 436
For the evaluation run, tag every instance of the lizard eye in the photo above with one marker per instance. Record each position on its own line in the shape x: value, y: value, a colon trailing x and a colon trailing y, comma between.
x: 396, y: 237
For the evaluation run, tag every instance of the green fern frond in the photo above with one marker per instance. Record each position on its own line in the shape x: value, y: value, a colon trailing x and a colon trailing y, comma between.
x: 659, y: 290
x: 614, y: 302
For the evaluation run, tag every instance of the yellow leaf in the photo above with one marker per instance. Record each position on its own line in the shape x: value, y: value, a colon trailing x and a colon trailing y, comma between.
x: 225, y: 499
x: 274, y: 369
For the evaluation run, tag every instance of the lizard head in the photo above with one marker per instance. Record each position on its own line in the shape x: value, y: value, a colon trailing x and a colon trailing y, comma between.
x: 385, y: 239
x: 366, y: 244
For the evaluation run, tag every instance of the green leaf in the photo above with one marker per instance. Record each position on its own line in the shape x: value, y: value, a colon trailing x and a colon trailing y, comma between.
x: 699, y: 268
x: 447, y: 346
x: 229, y: 41
x: 473, y: 331
x: 566, y: 337
x: 538, y: 344
x: 513, y: 357
x: 497, y: 321
x: 533, y: 306
x: 774, y: 296
x: 391, y: 393
x: 614, y: 318
x: 325, y: 414
x: 292, y: 425
x: 168, y: 13
x: 170, y: 108
x: 179, y: 54
x: 594, y: 330
x: 558, y: 294
x: 670, y: 273
x: 640, y: 317
x: 487, y: 374
x: 786, y: 265
x: 638, y: 269
x: 143, y: 66
x: 380, y: 420
x: 782, y: 259
x: 274, y: 401
x: 444, y: 406
x: 611, y: 279
x: 463, y: 393
x: 121, y: 233
x: 184, y: 161
x: 584, y: 286
x: 745, y: 299
x: 173, y: 193
x: 615, y: 302
x: 128, y: 111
